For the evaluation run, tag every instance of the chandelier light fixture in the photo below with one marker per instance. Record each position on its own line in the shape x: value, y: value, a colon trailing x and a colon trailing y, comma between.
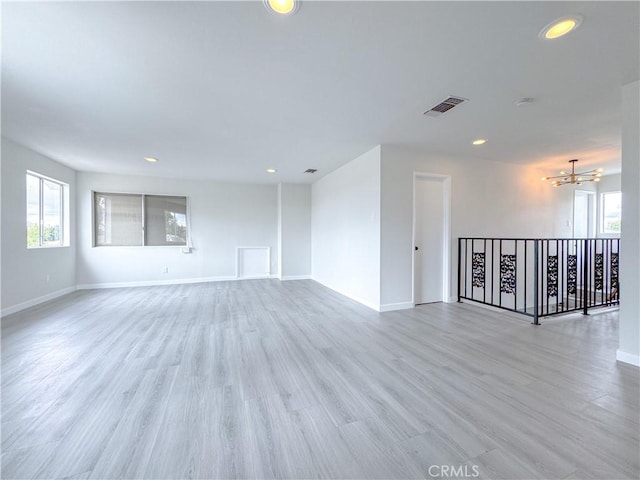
x: 574, y: 178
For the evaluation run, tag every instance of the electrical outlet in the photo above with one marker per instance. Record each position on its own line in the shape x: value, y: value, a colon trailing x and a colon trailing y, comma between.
x: 165, y: 269
x: 47, y: 277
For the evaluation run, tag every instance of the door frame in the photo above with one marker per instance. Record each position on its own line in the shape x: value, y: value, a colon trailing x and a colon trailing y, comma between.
x: 593, y: 220
x: 446, y: 250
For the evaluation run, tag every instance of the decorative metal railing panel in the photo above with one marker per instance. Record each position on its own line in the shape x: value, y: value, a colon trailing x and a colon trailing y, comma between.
x: 539, y: 277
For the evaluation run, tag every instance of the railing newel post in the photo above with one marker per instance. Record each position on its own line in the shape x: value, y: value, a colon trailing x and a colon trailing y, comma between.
x: 536, y: 256
x: 585, y: 277
x: 459, y: 268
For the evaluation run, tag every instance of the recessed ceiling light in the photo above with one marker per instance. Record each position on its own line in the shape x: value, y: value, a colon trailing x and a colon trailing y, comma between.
x: 561, y: 27
x: 151, y: 159
x: 479, y: 141
x: 271, y: 170
x: 282, y: 7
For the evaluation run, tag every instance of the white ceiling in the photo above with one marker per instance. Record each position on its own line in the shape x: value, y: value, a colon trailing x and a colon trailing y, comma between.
x: 224, y: 90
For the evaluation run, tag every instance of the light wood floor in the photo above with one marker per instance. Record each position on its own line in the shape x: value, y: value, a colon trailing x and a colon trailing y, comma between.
x: 290, y: 380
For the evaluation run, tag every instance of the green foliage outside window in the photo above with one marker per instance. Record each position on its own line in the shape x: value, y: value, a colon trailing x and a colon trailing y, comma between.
x: 33, y: 236
x: 51, y: 233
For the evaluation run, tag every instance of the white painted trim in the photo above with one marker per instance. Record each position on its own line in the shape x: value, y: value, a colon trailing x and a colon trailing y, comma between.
x: 258, y: 277
x: 629, y: 358
x: 446, y: 251
x: 156, y: 283
x: 348, y: 295
x: 36, y: 301
x: 92, y: 198
x: 390, y: 307
x: 267, y: 270
x: 295, y: 277
x: 594, y: 216
x: 600, y: 214
x: 452, y: 300
x: 279, y: 245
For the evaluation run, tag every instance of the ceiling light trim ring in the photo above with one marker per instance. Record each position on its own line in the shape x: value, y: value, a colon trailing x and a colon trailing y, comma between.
x: 295, y: 6
x: 576, y: 18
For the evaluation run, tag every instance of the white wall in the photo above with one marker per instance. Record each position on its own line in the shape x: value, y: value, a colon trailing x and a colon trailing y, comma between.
x: 346, y: 229
x: 609, y: 183
x: 222, y: 217
x: 488, y: 199
x: 629, y: 347
x: 25, y: 271
x: 294, y: 231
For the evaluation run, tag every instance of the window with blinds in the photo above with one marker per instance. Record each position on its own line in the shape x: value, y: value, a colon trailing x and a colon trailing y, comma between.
x: 139, y: 220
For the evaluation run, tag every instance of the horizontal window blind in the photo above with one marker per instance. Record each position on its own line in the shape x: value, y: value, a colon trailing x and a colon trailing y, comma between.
x: 118, y: 219
x: 139, y: 220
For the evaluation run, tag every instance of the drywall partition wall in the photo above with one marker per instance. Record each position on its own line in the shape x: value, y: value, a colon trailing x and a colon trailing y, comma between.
x: 609, y: 183
x: 294, y: 231
x: 31, y: 276
x: 222, y: 217
x: 488, y: 199
x: 629, y: 347
x: 346, y: 229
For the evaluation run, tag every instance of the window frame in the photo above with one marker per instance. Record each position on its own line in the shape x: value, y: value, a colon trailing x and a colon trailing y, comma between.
x: 602, y: 230
x: 65, y: 240
x: 94, y: 239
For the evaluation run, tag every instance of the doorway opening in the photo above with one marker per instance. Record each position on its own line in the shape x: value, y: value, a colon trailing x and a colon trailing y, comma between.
x: 431, y: 238
x: 584, y: 214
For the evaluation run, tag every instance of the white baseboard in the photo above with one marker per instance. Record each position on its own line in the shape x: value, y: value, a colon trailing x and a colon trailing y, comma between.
x: 390, y: 307
x: 629, y: 358
x: 349, y: 295
x: 295, y: 277
x: 36, y: 301
x: 178, y: 281
x: 452, y: 300
x: 249, y: 277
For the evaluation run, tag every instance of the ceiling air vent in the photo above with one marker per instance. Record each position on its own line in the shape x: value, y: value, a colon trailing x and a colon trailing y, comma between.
x: 444, y: 106
x: 311, y: 170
